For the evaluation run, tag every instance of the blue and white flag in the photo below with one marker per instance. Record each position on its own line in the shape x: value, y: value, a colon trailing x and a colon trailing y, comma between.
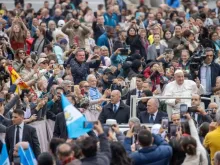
x: 23, y: 158
x: 74, y: 119
x: 4, y: 160
x: 30, y: 156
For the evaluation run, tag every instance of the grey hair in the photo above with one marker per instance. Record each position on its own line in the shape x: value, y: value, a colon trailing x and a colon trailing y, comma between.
x: 90, y: 76
x: 217, y: 116
x: 217, y: 158
x: 156, y: 101
x: 135, y: 120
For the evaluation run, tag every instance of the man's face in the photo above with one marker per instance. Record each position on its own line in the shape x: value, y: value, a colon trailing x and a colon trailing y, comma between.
x: 100, y: 20
x: 213, y: 106
x: 184, y: 56
x: 92, y: 82
x: 17, y: 119
x: 150, y: 17
x: 59, y: 93
x: 110, y: 33
x: 123, y: 35
x: 46, y: 4
x: 209, y: 57
x: 218, y: 4
x: 139, y: 83
x: 179, y: 77
x: 176, y: 119
x: 80, y: 57
x: 97, y: 51
x: 44, y: 25
x: 115, y: 98
x: 151, y: 107
x: 195, y: 101
x: 145, y: 86
x: 168, y: 23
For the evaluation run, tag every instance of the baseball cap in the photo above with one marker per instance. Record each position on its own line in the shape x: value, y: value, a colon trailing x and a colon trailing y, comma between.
x: 61, y: 23
x: 107, y: 70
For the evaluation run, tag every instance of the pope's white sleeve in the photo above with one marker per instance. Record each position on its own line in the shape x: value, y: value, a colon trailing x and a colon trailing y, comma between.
x: 168, y: 92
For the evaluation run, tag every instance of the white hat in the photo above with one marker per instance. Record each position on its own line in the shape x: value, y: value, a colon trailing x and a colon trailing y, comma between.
x: 178, y: 71
x: 61, y: 23
x: 111, y: 121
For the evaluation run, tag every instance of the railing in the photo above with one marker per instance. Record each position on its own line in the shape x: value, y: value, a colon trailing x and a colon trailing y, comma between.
x: 134, y: 99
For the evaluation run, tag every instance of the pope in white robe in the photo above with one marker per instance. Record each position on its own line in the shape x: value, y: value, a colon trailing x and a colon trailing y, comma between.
x: 181, y: 88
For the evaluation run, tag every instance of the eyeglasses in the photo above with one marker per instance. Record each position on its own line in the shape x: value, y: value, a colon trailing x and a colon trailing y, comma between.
x: 21, y: 52
x: 86, y: 86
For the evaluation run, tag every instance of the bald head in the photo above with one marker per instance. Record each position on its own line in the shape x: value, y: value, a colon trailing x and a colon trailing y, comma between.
x: 64, y: 151
x: 92, y: 80
x: 115, y: 96
x: 213, y: 106
x: 24, y: 145
x: 152, y: 105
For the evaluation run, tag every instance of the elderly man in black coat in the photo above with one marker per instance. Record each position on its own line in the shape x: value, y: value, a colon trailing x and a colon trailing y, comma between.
x: 116, y: 109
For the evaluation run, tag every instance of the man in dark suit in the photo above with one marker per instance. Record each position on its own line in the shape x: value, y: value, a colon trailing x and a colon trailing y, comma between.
x: 60, y: 130
x: 208, y: 73
x: 152, y: 115
x: 116, y: 109
x: 21, y: 132
x: 98, y: 27
x: 137, y: 91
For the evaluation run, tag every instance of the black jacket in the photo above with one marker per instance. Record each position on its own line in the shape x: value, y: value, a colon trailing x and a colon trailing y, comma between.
x: 215, y: 72
x: 60, y: 129
x: 80, y: 71
x: 121, y: 116
x: 103, y: 157
x: 141, y: 107
x: 137, y: 45
x: 144, y: 117
x: 46, y: 42
x: 98, y: 30
x: 29, y: 135
x: 132, y: 92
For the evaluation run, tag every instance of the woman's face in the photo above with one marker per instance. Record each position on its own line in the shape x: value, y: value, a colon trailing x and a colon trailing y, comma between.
x: 21, y: 54
x: 105, y: 52
x: 28, y: 63
x: 174, y: 17
x: 16, y: 28
x: 168, y: 35
x: 143, y: 33
x: 132, y: 32
x: 86, y: 87
x: 190, y: 38
x: 215, y: 36
x: 38, y: 33
x: 155, y: 67
x: 156, y: 38
x: 28, y: 34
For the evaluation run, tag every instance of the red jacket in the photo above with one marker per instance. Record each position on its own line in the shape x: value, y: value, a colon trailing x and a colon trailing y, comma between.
x: 155, y: 79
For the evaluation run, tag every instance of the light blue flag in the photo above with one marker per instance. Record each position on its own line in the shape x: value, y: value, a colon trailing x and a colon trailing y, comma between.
x: 22, y: 155
x: 173, y: 3
x: 4, y: 160
x: 74, y: 119
x: 30, y: 156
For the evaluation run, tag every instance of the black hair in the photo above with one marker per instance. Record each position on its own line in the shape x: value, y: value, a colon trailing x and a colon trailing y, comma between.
x: 147, y: 92
x: 19, y: 112
x: 188, y: 144
x: 164, y: 34
x: 204, y: 129
x: 54, y: 143
x: 45, y: 158
x: 119, y: 155
x: 145, y: 138
x: 89, y: 147
x: 140, y: 76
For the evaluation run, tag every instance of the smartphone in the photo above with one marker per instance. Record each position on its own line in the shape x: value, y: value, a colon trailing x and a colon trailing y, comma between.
x: 124, y: 51
x: 183, y: 111
x: 192, y: 109
x: 89, y: 124
x: 165, y: 123
x: 172, y: 130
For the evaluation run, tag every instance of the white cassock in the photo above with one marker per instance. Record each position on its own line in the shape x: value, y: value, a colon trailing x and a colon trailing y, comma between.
x: 188, y: 88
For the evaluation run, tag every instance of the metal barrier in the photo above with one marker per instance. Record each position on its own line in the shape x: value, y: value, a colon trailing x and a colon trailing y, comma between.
x: 134, y: 99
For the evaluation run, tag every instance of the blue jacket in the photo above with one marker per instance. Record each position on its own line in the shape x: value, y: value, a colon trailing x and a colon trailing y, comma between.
x: 158, y: 154
x: 103, y: 40
x: 110, y: 20
x: 94, y: 93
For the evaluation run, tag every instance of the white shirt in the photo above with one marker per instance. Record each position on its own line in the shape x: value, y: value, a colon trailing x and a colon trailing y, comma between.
x: 20, y: 132
x: 188, y: 88
x: 117, y: 105
x: 137, y: 92
x: 155, y: 115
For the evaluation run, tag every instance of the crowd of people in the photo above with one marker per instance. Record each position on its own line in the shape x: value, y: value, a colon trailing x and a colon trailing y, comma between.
x: 100, y: 60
